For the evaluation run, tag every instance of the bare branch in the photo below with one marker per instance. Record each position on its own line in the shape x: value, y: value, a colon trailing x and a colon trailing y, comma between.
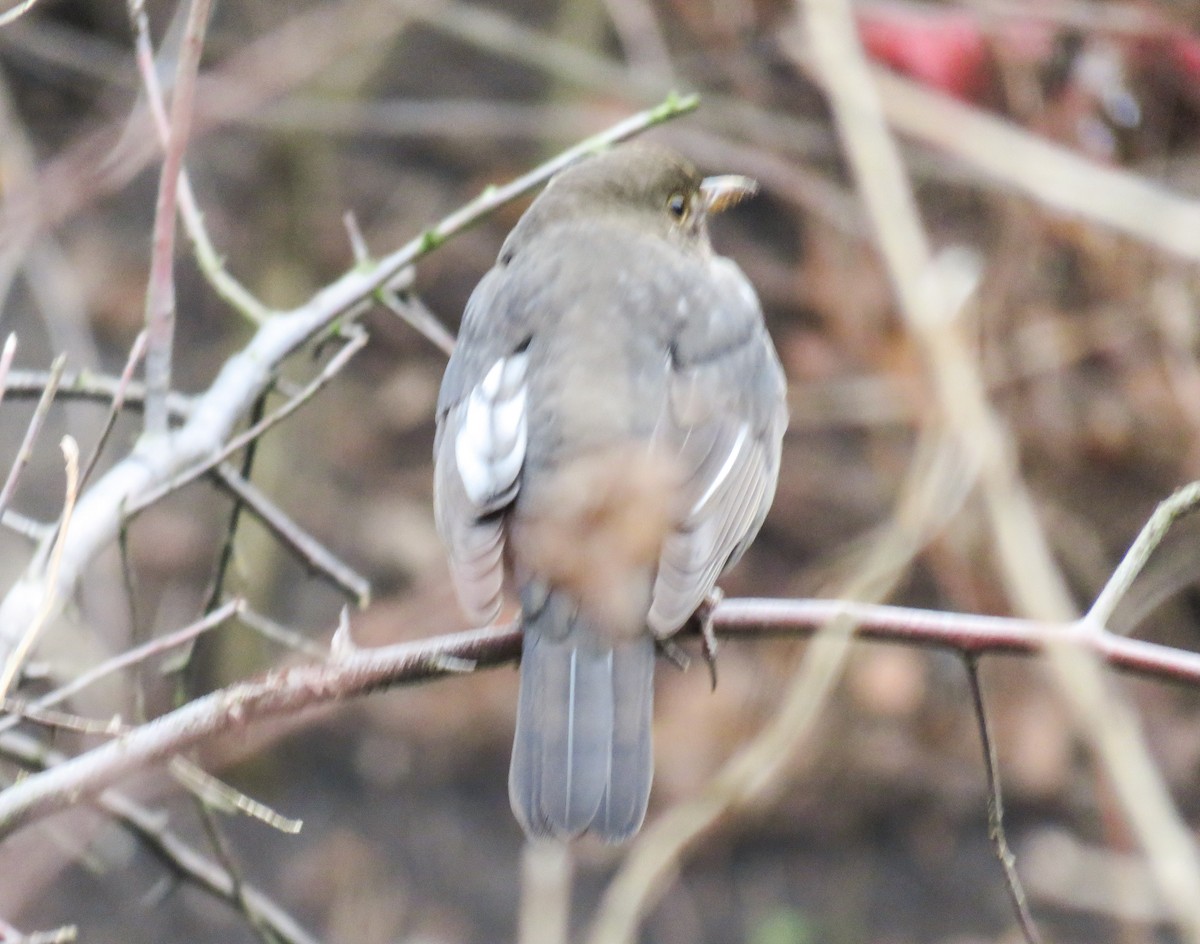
x: 1012, y: 881
x: 1182, y: 502
x: 220, y: 848
x: 209, y: 260
x: 217, y: 794
x: 414, y: 313
x: 12, y: 665
x: 289, y: 690
x: 87, y: 385
x: 284, y: 636
x: 134, y: 656
x: 225, y: 556
x: 311, y: 552
x: 118, y: 404
x: 160, y: 292
x: 283, y: 690
x: 31, y: 432
x: 253, y: 432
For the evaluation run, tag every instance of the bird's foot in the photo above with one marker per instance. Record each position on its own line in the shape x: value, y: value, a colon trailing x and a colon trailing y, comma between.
x: 674, y: 654
x: 708, y: 638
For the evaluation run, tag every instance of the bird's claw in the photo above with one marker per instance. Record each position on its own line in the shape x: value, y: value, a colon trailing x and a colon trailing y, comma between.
x: 708, y: 638
x: 674, y: 654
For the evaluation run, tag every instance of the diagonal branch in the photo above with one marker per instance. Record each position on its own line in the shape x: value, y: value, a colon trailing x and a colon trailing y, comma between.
x: 312, y: 553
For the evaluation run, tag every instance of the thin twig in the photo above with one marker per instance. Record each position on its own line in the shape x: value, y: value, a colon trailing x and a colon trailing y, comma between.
x: 220, y: 847
x: 31, y: 432
x: 1183, y: 502
x: 235, y: 513
x: 358, y: 244
x: 160, y: 291
x: 209, y: 260
x: 217, y: 794
x: 21, y: 710
x: 254, y: 431
x: 118, y: 404
x: 1008, y: 862
x: 394, y: 294
x: 414, y: 313
x: 88, y: 385
x: 317, y: 558
x: 12, y: 665
x: 134, y: 656
x: 283, y: 636
x: 37, y: 531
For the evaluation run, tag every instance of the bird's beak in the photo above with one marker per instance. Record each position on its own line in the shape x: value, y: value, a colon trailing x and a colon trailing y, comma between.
x: 720, y: 193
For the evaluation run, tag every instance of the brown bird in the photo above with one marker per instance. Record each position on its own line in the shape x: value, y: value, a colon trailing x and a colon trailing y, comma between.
x: 608, y: 442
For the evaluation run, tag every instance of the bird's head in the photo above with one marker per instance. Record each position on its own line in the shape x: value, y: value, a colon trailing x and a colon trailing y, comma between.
x: 651, y: 186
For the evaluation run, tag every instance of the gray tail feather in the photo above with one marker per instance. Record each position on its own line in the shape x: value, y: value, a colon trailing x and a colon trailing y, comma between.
x: 582, y: 756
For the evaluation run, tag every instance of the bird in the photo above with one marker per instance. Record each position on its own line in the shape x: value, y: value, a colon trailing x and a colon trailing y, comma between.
x: 609, y: 431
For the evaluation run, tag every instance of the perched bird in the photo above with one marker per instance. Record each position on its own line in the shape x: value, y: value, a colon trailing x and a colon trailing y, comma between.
x: 608, y: 442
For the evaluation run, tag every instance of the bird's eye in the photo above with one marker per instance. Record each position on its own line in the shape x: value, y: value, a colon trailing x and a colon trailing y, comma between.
x: 677, y: 205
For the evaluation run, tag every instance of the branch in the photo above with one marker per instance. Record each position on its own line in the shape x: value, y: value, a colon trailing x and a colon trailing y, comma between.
x: 996, y: 831
x: 160, y: 292
x: 25, y: 452
x: 289, y: 690
x: 317, y: 558
x: 207, y: 257
x: 131, y: 657
x: 250, y: 435
x: 88, y: 385
x: 12, y: 665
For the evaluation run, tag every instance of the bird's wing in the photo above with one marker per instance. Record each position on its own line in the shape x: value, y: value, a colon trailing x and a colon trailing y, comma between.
x: 724, y: 420
x: 480, y: 446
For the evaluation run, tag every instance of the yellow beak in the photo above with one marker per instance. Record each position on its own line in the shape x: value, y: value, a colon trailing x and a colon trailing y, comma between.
x: 720, y: 193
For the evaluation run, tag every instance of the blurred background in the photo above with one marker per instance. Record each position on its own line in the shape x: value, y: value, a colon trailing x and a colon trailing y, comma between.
x: 399, y: 112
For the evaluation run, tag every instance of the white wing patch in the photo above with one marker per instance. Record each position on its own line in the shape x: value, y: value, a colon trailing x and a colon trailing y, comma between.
x: 731, y: 460
x: 489, y: 449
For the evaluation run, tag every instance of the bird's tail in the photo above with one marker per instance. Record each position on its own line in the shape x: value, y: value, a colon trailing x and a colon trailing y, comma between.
x: 582, y: 757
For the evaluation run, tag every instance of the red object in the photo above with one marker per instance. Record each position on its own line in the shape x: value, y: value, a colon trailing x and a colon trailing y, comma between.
x: 944, y: 50
x: 1185, y: 50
